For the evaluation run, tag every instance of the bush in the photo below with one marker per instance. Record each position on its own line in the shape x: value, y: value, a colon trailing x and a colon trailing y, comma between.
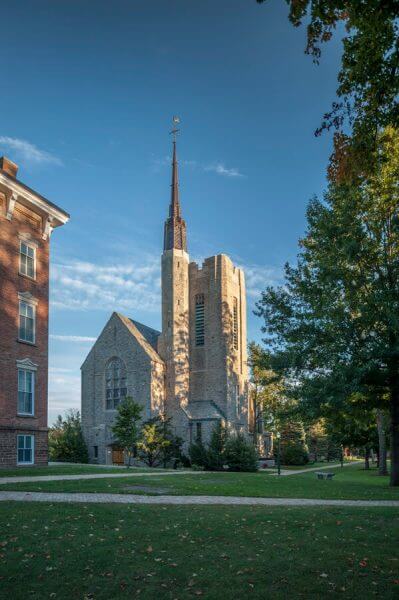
x: 216, y: 448
x: 240, y: 455
x: 295, y: 455
x: 198, y: 455
x: 294, y: 450
x: 66, y: 442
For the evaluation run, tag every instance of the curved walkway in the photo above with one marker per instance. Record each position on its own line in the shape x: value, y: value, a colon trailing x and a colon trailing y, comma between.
x: 285, y: 472
x: 201, y: 500
x: 39, y: 478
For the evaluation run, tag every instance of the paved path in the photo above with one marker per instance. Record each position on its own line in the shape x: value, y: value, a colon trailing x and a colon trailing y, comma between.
x: 285, y: 472
x: 180, y: 500
x: 39, y: 478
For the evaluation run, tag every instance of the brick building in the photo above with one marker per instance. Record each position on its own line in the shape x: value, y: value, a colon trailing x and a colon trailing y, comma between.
x: 26, y: 222
x: 195, y: 370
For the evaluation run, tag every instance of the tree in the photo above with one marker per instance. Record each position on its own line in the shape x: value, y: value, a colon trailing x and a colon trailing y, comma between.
x: 66, y: 442
x: 294, y: 450
x: 368, y: 80
x: 216, y: 448
x: 240, y: 455
x: 152, y: 442
x: 268, y: 401
x: 333, y: 329
x: 125, y: 427
x: 382, y: 442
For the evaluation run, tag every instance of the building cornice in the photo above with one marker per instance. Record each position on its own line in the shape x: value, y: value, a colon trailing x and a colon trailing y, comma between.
x: 53, y: 216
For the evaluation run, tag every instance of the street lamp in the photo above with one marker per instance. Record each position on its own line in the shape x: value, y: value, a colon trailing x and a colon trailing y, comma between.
x: 278, y: 435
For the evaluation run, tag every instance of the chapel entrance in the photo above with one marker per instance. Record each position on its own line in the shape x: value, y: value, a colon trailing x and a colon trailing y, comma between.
x: 118, y: 457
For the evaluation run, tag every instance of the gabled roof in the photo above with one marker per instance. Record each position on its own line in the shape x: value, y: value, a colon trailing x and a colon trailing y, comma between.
x: 151, y: 335
x: 144, y: 335
x: 203, y: 410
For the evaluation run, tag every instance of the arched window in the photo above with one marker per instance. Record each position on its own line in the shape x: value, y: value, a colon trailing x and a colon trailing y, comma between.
x: 115, y: 383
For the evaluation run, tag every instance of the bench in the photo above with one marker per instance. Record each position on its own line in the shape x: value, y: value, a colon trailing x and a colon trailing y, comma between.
x: 324, y: 475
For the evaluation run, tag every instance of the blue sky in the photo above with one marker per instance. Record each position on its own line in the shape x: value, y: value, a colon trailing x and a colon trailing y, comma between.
x: 89, y: 89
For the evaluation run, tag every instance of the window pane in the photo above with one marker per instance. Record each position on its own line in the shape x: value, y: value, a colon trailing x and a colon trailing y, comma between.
x: 28, y: 441
x: 20, y: 456
x: 21, y: 380
x: 30, y: 381
x: 20, y: 441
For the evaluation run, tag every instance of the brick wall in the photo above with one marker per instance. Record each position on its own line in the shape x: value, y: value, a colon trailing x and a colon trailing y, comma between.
x: 29, y: 224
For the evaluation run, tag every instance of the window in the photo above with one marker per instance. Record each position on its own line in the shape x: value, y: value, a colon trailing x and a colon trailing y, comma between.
x: 26, y: 392
x: 25, y: 449
x: 237, y: 399
x: 199, y: 432
x: 95, y: 451
x: 27, y: 260
x: 115, y: 382
x: 235, y: 324
x: 27, y: 318
x: 199, y: 320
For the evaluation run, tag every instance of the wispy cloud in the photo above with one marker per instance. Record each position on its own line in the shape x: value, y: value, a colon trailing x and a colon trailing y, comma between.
x: 125, y: 287
x: 258, y: 277
x: 73, y: 338
x: 28, y: 152
x: 220, y: 169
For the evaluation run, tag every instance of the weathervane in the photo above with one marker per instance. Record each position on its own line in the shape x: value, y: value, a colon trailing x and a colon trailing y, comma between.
x: 175, y: 131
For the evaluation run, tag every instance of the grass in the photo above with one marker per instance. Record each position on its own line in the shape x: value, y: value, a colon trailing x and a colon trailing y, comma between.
x: 349, y: 483
x: 66, y: 470
x: 108, y: 551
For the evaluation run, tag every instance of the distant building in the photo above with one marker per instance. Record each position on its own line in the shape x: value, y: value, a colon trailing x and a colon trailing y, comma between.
x: 26, y: 221
x: 195, y: 370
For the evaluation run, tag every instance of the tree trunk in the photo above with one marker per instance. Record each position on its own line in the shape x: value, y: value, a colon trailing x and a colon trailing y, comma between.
x: 382, y: 444
x: 367, y: 458
x: 394, y: 389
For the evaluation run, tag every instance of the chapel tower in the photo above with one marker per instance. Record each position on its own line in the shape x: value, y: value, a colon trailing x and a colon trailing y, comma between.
x: 174, y: 340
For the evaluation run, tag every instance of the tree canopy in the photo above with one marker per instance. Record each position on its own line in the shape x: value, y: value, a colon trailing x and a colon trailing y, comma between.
x: 368, y: 79
x: 333, y: 329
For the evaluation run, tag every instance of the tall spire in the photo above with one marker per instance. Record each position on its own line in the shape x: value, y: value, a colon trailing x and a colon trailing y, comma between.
x: 174, y: 209
x: 175, y: 226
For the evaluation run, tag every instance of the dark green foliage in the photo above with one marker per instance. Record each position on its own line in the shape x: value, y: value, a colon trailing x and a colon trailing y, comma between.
x: 126, y: 425
x: 157, y: 443
x: 368, y: 81
x: 240, y: 455
x: 66, y: 442
x: 294, y: 450
x: 198, y: 454
x: 333, y: 329
x: 216, y: 448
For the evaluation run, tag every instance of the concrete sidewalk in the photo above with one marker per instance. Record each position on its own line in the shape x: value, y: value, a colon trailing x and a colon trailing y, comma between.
x: 286, y: 472
x: 39, y: 478
x: 187, y: 500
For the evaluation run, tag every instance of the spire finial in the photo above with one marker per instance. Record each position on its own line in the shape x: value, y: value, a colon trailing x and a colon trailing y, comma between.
x: 175, y: 130
x: 175, y: 227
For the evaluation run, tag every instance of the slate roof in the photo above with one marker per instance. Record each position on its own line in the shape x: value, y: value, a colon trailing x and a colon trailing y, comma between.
x: 151, y: 335
x: 203, y: 410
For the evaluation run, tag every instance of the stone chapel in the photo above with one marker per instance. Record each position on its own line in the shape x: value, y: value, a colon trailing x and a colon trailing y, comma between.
x: 194, y: 370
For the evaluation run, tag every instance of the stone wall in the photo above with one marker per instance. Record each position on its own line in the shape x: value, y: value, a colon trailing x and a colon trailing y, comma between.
x: 218, y: 370
x: 145, y: 376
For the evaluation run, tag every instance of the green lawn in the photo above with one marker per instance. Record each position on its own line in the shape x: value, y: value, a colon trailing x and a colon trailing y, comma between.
x: 66, y: 470
x: 103, y: 552
x: 349, y: 483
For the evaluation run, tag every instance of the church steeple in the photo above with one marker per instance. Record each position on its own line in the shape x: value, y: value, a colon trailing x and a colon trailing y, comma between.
x: 175, y: 226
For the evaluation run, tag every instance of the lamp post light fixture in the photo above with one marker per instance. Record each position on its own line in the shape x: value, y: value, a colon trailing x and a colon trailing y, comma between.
x: 278, y: 435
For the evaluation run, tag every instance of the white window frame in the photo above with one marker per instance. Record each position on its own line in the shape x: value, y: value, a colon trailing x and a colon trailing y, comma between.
x: 32, y: 247
x: 24, y: 462
x: 32, y: 373
x: 33, y: 306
